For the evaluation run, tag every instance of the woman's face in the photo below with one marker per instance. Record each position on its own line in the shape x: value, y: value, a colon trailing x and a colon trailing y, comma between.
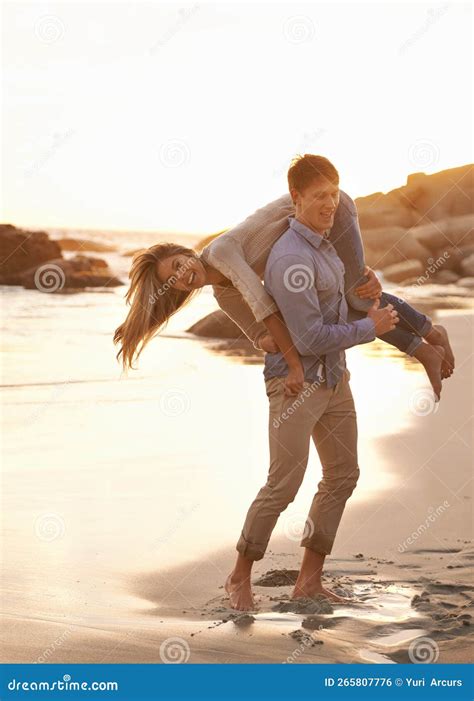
x: 182, y: 272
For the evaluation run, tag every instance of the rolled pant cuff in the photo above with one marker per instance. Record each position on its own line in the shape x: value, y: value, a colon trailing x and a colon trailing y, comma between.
x: 427, y: 326
x: 416, y: 343
x: 252, y: 551
x: 320, y: 542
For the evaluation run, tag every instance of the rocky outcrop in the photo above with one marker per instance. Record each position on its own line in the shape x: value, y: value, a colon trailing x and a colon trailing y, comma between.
x: 424, y: 199
x: 446, y: 233
x: 388, y: 246
x: 216, y: 325
x: 59, y: 274
x: 20, y: 250
x: 467, y: 266
x: 32, y: 260
x: 402, y: 271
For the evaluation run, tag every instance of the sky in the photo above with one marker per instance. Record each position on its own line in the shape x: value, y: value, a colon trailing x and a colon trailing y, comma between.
x: 184, y: 117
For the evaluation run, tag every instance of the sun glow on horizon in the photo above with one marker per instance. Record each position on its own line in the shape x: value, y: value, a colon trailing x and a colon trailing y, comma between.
x: 184, y: 119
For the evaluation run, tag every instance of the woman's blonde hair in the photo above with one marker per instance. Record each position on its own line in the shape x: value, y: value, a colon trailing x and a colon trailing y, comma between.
x: 152, y: 301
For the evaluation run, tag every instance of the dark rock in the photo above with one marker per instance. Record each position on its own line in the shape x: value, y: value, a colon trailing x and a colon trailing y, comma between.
x: 61, y: 274
x: 20, y: 250
x: 277, y: 578
x: 216, y: 325
x: 402, y: 271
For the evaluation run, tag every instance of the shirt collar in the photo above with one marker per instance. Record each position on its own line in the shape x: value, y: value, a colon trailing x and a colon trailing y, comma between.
x: 310, y: 236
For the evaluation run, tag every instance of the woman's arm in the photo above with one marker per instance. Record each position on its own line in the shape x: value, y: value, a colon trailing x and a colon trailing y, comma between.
x: 234, y: 305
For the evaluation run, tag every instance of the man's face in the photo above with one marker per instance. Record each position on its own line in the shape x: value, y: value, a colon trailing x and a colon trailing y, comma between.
x: 317, y: 204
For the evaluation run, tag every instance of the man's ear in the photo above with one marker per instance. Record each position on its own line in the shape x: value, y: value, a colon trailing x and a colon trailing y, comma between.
x: 294, y: 195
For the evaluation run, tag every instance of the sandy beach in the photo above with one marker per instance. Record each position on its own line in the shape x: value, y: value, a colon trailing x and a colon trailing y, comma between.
x: 120, y: 518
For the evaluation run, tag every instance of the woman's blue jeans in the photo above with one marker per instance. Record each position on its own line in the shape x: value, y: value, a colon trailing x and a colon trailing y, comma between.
x: 346, y: 238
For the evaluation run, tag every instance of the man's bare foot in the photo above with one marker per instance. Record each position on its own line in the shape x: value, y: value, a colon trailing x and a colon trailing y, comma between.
x: 240, y: 594
x: 306, y: 592
x: 431, y: 357
x: 439, y: 336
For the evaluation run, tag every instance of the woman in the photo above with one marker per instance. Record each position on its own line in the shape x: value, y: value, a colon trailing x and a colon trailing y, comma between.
x: 166, y: 276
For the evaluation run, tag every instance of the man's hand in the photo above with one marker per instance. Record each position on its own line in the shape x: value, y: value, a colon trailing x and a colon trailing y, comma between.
x: 372, y: 289
x: 384, y: 319
x: 294, y: 382
x: 268, y: 344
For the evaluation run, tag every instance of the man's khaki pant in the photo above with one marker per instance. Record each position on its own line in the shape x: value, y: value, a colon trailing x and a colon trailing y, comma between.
x: 328, y: 417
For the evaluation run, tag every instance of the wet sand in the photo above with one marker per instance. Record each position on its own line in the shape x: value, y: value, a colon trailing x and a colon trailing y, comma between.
x: 404, y: 553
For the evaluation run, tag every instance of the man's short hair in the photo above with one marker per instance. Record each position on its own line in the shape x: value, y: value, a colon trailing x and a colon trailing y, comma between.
x: 305, y: 169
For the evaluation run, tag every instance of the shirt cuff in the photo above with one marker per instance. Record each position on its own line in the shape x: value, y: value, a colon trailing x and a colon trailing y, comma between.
x: 366, y: 329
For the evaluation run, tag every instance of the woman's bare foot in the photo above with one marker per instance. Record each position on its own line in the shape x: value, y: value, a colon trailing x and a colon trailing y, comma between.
x: 240, y: 593
x: 306, y: 592
x: 431, y: 357
x: 439, y: 336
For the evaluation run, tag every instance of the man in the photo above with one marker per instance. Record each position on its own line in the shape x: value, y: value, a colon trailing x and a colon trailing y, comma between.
x: 305, y: 277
